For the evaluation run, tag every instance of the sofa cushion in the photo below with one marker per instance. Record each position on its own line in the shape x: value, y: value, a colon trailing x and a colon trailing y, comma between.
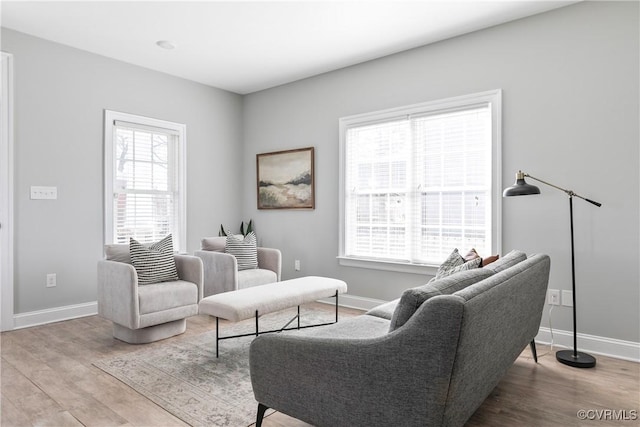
x: 509, y: 260
x: 413, y: 298
x: 167, y: 295
x: 359, y: 327
x: 385, y: 310
x: 244, y: 250
x: 153, y: 263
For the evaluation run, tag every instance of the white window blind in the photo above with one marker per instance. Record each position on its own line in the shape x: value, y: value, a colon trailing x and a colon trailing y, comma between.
x: 145, y: 180
x: 419, y: 182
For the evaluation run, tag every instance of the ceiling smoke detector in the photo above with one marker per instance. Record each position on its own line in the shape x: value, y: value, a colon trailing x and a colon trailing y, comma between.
x: 166, y: 44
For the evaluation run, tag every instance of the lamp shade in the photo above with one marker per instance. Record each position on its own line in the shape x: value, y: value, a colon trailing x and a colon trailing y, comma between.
x: 520, y: 188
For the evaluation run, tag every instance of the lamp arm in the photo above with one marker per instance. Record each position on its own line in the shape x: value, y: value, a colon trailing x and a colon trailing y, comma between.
x: 569, y: 192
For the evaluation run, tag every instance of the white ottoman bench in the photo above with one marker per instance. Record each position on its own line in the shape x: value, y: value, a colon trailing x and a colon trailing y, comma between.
x: 258, y: 300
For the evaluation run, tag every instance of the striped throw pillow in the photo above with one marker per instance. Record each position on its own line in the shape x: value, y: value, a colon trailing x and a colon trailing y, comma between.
x: 244, y: 250
x: 153, y: 263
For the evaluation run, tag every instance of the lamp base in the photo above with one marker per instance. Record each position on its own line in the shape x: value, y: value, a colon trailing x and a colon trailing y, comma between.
x: 583, y: 360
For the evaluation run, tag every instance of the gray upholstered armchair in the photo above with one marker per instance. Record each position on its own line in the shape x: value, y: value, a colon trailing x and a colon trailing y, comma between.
x: 221, y: 269
x: 146, y: 313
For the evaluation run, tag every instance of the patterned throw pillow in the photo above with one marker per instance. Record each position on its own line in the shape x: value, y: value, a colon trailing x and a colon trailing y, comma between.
x: 244, y: 250
x: 471, y: 255
x: 456, y: 263
x: 153, y: 263
x: 469, y: 265
x: 454, y: 260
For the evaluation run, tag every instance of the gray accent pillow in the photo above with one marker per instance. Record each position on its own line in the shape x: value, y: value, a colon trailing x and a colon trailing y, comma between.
x: 410, y: 301
x: 245, y: 250
x: 153, y: 263
x: 413, y: 298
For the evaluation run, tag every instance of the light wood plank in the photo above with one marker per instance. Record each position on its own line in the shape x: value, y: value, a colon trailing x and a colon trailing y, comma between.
x: 48, y: 380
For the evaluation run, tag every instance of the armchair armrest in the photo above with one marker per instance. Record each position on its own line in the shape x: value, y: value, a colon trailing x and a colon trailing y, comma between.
x: 118, y: 293
x: 220, y: 272
x: 190, y: 269
x: 270, y: 259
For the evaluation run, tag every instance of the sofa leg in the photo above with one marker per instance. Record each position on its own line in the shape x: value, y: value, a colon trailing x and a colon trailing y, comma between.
x: 261, y: 410
x: 532, y: 344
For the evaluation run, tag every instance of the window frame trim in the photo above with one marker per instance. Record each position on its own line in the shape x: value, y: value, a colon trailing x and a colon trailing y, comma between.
x: 494, y: 98
x: 180, y: 130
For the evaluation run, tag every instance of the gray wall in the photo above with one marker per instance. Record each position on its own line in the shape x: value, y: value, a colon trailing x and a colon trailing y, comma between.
x: 570, y: 116
x: 60, y: 95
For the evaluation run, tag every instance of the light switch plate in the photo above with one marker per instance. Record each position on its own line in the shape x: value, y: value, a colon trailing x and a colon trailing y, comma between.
x: 43, y: 193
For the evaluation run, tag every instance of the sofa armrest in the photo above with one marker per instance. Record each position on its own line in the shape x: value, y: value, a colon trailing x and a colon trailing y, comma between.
x: 118, y: 293
x: 220, y: 272
x: 270, y: 259
x: 190, y: 269
x: 364, y: 381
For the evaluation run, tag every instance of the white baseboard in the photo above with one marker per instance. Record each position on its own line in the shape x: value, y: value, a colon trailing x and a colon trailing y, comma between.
x: 51, y: 315
x: 619, y: 349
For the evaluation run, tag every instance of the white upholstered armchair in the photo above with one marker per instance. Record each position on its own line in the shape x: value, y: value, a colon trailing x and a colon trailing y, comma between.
x: 147, y: 313
x: 221, y: 269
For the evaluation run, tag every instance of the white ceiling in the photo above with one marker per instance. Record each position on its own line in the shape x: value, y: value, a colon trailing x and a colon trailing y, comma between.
x: 244, y: 46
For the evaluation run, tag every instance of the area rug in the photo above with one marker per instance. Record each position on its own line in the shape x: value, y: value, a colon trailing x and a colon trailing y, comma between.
x: 185, y: 378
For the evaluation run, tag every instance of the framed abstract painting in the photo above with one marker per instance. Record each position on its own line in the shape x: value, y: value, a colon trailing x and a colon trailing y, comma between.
x: 286, y: 179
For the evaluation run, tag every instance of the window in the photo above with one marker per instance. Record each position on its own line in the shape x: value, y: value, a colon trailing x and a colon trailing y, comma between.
x: 144, y: 179
x: 417, y: 182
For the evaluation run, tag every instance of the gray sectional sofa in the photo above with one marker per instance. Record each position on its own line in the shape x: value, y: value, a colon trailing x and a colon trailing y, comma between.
x: 429, y: 358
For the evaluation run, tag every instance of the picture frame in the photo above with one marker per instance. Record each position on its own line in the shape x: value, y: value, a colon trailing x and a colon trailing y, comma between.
x: 285, y: 179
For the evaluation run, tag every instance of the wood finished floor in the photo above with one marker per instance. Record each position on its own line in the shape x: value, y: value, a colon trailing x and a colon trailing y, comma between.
x: 48, y: 380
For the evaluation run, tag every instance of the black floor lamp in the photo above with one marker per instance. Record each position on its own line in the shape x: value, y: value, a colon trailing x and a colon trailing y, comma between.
x: 573, y: 357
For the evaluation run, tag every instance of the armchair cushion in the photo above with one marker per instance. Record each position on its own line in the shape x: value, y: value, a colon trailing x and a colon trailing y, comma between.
x: 256, y: 277
x: 167, y: 295
x: 154, y: 263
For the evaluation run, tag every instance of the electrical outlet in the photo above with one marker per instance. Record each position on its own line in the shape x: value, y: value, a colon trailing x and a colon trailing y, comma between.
x: 567, y: 298
x: 51, y: 280
x: 296, y: 265
x: 553, y: 296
